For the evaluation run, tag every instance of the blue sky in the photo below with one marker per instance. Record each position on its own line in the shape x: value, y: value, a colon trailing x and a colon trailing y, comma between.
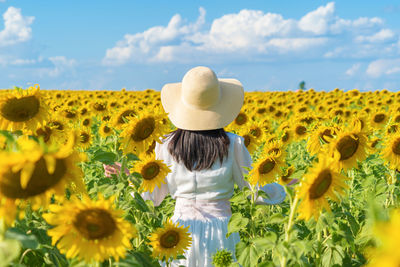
x: 269, y: 45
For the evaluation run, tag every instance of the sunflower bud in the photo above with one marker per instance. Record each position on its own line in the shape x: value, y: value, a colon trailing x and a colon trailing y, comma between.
x: 222, y: 258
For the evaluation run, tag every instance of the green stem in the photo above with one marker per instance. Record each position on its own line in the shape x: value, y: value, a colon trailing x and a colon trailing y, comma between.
x: 252, y: 201
x: 289, y: 226
x: 318, y: 255
x: 23, y: 255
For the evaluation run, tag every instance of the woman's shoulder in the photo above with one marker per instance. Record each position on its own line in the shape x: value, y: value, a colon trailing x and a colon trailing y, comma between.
x: 234, y: 137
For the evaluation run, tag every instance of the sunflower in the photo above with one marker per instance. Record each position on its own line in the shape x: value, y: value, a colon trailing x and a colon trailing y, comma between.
x: 264, y: 170
x: 320, y: 182
x: 256, y: 129
x: 239, y: 122
x: 274, y: 148
x: 84, y: 138
x: 22, y: 109
x: 378, y: 119
x: 98, y: 107
x: 391, y: 152
x: 170, y: 241
x: 350, y: 145
x: 250, y: 141
x: 373, y: 145
x: 121, y: 117
x: 319, y: 137
x: 300, y: 131
x: 138, y: 135
x: 285, y: 177
x: 90, y: 230
x: 286, y: 134
x: 105, y: 129
x: 388, y: 233
x: 153, y: 172
x: 33, y: 174
x: 86, y: 121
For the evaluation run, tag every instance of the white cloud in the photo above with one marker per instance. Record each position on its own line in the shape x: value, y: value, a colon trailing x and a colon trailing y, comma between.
x: 254, y: 35
x: 16, y: 27
x: 140, y: 46
x: 353, y: 69
x: 317, y: 21
x: 381, y: 67
x: 60, y: 65
x: 293, y: 44
x: 381, y: 36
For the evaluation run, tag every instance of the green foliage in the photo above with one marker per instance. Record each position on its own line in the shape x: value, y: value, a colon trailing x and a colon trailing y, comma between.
x: 338, y: 238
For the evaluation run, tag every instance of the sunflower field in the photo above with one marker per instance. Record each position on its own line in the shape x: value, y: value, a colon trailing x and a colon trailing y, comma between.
x: 74, y: 166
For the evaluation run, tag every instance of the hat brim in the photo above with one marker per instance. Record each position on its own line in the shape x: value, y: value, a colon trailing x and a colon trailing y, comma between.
x: 215, y: 117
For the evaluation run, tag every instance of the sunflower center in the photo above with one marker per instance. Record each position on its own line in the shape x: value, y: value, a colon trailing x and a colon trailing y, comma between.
x: 274, y: 150
x: 326, y: 133
x: 256, y: 132
x: 151, y: 147
x: 45, y: 132
x: 375, y: 142
x: 106, y: 129
x: 300, y: 130
x: 125, y: 114
x: 40, y: 181
x: 95, y: 223
x: 86, y: 122
x: 70, y: 114
x: 99, y: 106
x: 286, y: 176
x: 170, y: 239
x: 22, y: 109
x: 347, y: 146
x: 285, y: 136
x: 150, y: 170
x: 84, y: 138
x: 379, y: 118
x: 267, y: 166
x: 321, y: 184
x: 241, y: 119
x: 57, y: 125
x: 396, y: 147
x: 143, y: 129
x: 247, y: 140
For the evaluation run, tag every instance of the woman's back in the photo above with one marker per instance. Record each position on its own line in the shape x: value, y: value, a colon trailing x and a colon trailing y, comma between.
x: 209, y: 184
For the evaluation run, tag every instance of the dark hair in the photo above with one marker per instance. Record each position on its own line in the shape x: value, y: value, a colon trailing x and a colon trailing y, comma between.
x: 198, y: 150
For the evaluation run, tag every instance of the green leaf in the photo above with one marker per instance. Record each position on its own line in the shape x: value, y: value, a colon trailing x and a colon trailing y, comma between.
x: 136, y: 259
x: 131, y: 156
x: 140, y: 204
x: 332, y: 256
x: 248, y: 254
x: 236, y: 223
x: 264, y: 243
x: 9, y: 250
x: 276, y: 218
x: 27, y: 241
x: 104, y: 157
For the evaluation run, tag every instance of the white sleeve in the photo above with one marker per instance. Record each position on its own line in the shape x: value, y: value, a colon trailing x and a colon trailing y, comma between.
x: 242, y: 158
x: 159, y: 193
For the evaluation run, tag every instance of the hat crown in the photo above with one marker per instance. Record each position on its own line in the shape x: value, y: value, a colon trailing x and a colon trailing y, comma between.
x: 200, y: 88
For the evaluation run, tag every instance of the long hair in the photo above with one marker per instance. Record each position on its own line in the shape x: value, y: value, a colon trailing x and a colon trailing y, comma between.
x: 198, y: 150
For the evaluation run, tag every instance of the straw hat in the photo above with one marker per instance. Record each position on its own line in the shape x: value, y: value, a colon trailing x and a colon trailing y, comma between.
x: 201, y: 101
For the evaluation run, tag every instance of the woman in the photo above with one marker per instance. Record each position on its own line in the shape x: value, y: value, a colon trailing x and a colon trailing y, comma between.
x: 205, y: 161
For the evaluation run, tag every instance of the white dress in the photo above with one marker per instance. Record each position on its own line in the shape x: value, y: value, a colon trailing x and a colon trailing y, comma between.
x: 202, y: 199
